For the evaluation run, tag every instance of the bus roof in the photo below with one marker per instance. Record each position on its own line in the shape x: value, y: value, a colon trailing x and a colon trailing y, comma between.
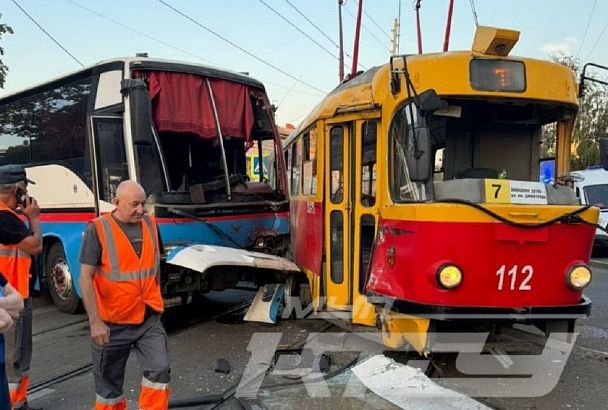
x: 146, y: 63
x: 448, y: 74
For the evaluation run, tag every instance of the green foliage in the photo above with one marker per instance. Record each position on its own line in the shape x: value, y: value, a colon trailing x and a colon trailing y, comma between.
x: 3, y: 68
x: 592, y: 118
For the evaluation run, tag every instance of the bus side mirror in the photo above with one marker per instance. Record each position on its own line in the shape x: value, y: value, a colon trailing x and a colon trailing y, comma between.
x: 419, y: 158
x: 603, y: 141
x: 428, y: 102
x: 141, y: 110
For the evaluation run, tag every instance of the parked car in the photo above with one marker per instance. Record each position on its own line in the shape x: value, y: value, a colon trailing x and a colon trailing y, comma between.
x: 593, y: 190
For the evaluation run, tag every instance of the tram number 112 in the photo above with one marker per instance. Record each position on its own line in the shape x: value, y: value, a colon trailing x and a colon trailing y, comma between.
x: 515, y: 277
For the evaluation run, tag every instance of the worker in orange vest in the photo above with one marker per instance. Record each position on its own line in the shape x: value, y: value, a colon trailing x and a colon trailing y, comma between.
x: 15, y: 263
x: 120, y: 283
x: 11, y: 304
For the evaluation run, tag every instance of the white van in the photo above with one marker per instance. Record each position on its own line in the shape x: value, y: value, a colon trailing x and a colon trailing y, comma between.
x: 593, y: 190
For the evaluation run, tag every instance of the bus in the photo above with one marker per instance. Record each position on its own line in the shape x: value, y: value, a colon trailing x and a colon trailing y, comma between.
x: 182, y: 131
x: 415, y: 201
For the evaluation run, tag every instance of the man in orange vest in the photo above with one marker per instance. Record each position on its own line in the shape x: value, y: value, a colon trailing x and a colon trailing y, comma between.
x: 11, y: 305
x: 120, y: 283
x: 15, y: 262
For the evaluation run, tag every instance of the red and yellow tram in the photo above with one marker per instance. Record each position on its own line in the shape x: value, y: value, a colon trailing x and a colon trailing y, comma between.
x: 415, y: 195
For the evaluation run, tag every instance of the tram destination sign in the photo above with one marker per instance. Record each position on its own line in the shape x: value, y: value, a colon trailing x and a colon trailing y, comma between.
x: 515, y: 192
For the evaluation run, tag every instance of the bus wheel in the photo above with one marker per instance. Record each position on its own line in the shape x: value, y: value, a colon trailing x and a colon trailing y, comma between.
x: 60, y: 281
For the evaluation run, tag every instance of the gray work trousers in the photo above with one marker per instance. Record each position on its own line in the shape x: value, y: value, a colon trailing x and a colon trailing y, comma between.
x: 18, y: 342
x: 149, y: 340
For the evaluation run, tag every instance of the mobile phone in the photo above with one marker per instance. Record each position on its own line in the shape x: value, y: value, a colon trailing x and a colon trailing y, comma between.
x: 20, y: 194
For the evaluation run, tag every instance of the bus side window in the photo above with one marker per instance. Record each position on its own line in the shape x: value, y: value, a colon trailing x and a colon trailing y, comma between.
x: 111, y: 156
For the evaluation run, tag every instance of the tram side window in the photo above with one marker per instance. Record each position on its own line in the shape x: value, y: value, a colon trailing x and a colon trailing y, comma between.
x: 368, y: 163
x: 368, y: 232
x: 288, y: 165
x: 48, y: 127
x: 111, y: 156
x: 310, y: 163
x: 337, y: 246
x: 296, y: 155
x: 336, y: 164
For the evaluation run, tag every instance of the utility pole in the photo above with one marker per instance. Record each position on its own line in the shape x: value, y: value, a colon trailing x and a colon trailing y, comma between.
x: 395, y: 40
x: 341, y: 57
x: 418, y: 30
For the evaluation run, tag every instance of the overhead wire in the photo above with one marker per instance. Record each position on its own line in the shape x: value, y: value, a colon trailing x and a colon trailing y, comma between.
x: 47, y: 33
x: 140, y: 32
x: 286, y: 94
x: 580, y: 48
x: 597, y: 41
x: 315, y: 26
x: 474, y: 12
x: 299, y: 30
x: 374, y: 22
x: 239, y: 47
x: 316, y: 93
x: 368, y: 31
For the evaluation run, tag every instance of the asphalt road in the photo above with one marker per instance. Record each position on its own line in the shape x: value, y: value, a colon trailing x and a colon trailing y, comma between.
x: 61, y: 377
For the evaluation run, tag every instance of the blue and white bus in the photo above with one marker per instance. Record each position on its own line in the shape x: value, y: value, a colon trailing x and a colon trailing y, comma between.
x: 181, y: 130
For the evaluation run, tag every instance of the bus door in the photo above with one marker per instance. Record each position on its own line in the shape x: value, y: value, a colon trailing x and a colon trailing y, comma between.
x: 337, y: 217
x: 110, y: 158
x: 363, y: 215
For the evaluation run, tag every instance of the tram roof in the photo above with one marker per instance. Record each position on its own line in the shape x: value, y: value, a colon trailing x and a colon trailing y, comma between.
x: 147, y: 63
x: 370, y: 89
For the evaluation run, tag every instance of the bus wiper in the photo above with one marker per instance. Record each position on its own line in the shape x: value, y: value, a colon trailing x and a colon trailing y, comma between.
x: 223, y: 235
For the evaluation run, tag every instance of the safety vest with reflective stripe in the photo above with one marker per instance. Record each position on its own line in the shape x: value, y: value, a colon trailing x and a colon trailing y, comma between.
x: 15, y: 263
x: 125, y: 283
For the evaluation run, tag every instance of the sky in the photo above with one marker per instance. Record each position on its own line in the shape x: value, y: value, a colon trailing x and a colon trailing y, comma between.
x: 297, y: 69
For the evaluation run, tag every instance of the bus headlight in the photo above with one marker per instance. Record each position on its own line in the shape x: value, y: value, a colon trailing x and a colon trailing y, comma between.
x: 449, y: 276
x: 578, y: 277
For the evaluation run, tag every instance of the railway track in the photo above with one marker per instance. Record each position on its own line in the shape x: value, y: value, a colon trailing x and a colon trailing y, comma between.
x: 178, y: 322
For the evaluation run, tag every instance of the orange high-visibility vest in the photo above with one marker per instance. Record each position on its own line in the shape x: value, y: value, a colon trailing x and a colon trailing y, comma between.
x: 15, y: 263
x: 124, y: 283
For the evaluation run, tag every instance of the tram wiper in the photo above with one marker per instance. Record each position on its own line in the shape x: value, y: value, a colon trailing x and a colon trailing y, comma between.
x: 223, y: 235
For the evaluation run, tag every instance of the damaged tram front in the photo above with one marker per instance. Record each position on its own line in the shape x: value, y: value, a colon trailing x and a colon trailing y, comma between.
x: 182, y: 131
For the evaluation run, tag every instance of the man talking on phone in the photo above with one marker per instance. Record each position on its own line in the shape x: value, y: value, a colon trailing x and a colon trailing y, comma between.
x: 15, y: 262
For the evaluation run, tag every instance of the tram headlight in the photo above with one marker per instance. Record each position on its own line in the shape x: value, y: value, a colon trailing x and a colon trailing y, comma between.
x: 449, y: 276
x: 578, y: 277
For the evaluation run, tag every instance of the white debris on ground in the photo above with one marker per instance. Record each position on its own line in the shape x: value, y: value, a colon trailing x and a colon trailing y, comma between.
x: 408, y: 387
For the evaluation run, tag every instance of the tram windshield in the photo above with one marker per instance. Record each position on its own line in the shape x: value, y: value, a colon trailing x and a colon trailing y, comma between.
x: 474, y: 139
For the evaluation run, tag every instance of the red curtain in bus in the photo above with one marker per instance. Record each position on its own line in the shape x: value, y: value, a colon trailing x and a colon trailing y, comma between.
x: 181, y: 103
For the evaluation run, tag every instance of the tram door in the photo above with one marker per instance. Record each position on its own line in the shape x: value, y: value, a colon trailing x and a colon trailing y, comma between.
x: 350, y: 215
x: 337, y: 217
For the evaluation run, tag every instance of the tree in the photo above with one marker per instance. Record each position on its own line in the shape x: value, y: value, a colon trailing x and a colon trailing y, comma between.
x: 592, y: 119
x: 3, y: 68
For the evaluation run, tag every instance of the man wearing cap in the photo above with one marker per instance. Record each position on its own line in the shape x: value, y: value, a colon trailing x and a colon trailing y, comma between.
x: 15, y: 263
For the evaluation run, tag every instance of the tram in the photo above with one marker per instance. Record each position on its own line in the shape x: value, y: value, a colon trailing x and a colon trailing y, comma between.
x: 415, y: 201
